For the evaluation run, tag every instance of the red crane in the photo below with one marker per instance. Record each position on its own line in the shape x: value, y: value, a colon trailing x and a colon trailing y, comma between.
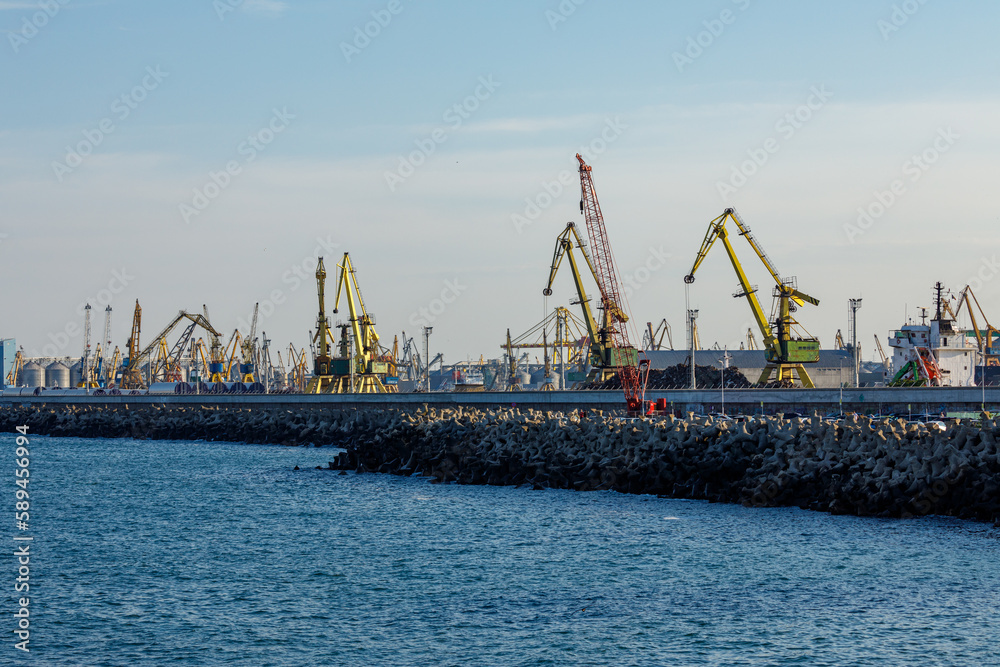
x: 623, y: 354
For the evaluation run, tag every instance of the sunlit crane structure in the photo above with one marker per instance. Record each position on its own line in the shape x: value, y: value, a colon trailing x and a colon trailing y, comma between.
x: 14, y: 375
x: 611, y: 351
x: 568, y: 344
x: 131, y: 371
x: 652, y: 339
x: 785, y: 353
x: 364, y: 365
x: 247, y: 352
x: 986, y: 339
x: 322, y: 377
x: 625, y: 357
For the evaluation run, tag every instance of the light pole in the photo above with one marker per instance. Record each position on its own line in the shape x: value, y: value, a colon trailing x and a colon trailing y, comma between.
x: 692, y: 316
x: 724, y: 363
x: 841, y: 386
x: 855, y: 307
x: 982, y: 376
x: 427, y: 358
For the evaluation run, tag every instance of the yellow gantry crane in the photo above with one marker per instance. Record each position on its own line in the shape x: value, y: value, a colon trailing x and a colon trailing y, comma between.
x: 785, y: 354
x: 365, y: 370
x: 15, y: 371
x: 605, y: 358
x: 131, y: 373
x: 247, y: 366
x: 362, y: 365
x: 322, y: 380
x: 987, y: 338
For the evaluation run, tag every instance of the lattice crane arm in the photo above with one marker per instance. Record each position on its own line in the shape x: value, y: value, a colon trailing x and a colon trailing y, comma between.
x: 717, y: 231
x: 798, y: 297
x: 621, y: 350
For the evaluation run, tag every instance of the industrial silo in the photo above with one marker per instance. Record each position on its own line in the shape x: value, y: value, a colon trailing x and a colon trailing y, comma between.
x: 32, y: 375
x: 57, y: 375
x: 75, y: 374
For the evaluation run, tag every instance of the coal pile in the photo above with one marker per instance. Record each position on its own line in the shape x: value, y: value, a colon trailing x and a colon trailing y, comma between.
x: 679, y: 377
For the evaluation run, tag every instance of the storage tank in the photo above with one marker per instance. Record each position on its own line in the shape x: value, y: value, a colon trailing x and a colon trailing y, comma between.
x: 32, y: 375
x: 57, y: 375
x: 75, y: 374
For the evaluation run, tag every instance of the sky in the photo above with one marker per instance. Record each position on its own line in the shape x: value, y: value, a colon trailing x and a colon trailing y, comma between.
x: 206, y: 152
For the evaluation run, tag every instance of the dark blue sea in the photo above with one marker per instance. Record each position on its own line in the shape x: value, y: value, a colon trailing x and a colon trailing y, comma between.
x: 198, y: 553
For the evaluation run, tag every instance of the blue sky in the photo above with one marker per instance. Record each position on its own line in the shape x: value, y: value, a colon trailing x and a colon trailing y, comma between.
x: 443, y: 245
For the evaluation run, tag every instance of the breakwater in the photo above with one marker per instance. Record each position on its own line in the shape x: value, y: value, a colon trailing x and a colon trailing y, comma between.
x: 855, y: 465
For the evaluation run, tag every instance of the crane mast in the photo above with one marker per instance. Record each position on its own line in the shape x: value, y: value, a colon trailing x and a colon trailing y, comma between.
x: 85, y: 360
x: 131, y: 375
x: 247, y: 368
x: 624, y: 354
x: 322, y: 375
x: 105, y: 351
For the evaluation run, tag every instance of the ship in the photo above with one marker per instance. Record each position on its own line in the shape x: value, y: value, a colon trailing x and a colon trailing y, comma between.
x: 933, y: 354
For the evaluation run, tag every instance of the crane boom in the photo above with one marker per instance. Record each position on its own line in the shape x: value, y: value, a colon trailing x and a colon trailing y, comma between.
x: 611, y: 300
x: 783, y: 353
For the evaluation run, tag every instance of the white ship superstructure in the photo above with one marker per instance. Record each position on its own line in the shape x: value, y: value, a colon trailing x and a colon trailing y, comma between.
x: 937, y: 353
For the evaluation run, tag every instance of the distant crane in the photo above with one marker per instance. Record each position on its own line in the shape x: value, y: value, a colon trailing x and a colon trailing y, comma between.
x: 247, y: 350
x: 626, y: 357
x: 322, y: 378
x: 86, y: 380
x: 105, y: 349
x: 368, y: 364
x: 131, y: 374
x: 14, y: 376
x: 653, y: 338
x: 784, y: 354
x: 986, y: 338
